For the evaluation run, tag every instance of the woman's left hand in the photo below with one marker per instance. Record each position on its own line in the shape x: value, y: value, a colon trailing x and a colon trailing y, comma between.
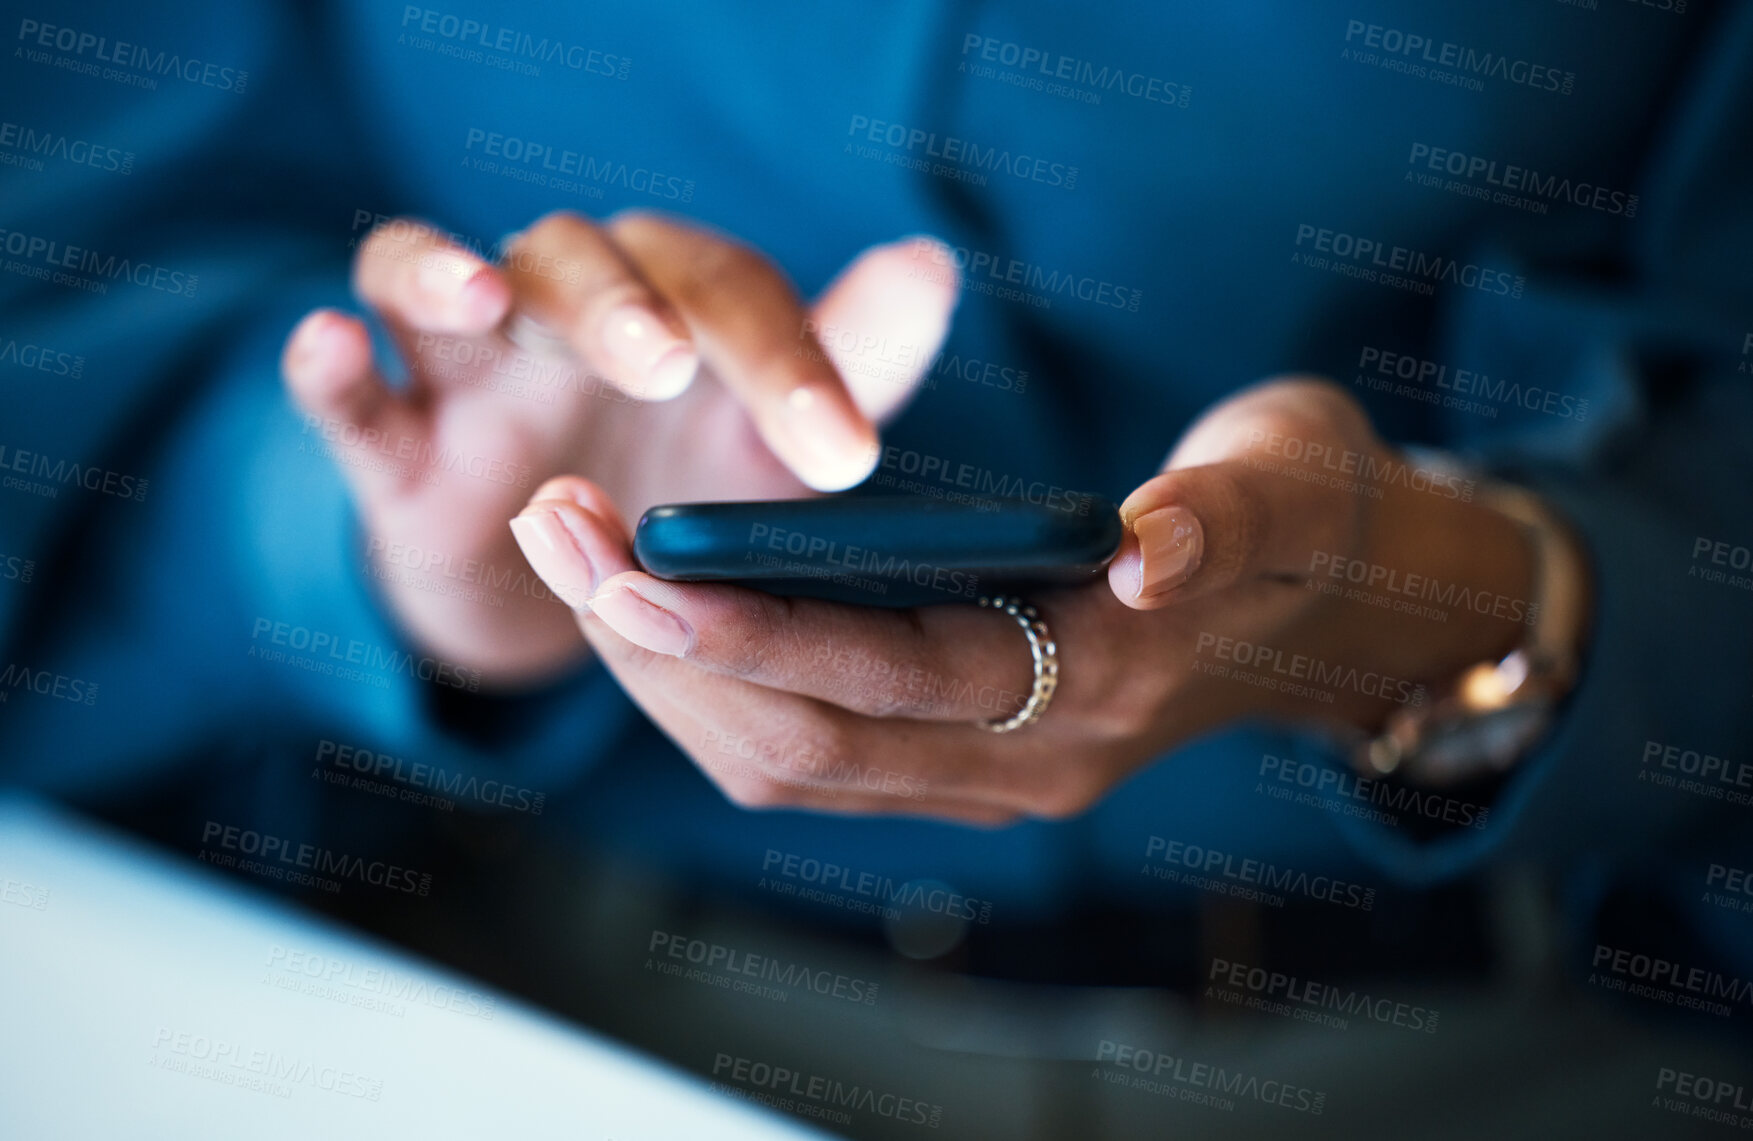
x: 1281, y: 566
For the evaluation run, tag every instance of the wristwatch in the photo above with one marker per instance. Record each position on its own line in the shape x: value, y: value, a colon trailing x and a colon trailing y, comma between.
x: 1494, y: 712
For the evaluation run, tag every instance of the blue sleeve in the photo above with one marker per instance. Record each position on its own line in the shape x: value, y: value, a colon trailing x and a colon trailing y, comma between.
x: 1633, y: 416
x: 181, y: 575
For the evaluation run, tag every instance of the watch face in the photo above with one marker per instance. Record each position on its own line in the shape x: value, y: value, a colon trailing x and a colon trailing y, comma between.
x: 1481, y: 742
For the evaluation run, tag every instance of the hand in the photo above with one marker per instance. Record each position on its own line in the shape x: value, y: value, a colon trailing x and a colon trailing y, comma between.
x: 614, y: 323
x: 1215, y: 609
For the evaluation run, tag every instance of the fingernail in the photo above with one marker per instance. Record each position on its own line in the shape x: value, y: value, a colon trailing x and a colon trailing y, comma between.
x: 835, y: 453
x: 443, y: 273
x: 483, y: 299
x: 533, y: 336
x: 643, y: 622
x: 556, y: 555
x: 1171, y: 542
x: 312, y: 342
x: 560, y: 487
x: 646, y: 354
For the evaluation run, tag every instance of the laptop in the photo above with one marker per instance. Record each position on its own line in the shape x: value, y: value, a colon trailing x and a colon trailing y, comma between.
x: 149, y: 997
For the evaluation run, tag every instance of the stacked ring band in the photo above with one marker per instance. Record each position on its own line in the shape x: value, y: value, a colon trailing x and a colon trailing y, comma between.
x: 1045, y: 655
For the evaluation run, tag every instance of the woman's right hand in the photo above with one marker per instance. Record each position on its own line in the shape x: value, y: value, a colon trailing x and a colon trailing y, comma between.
x: 579, y: 352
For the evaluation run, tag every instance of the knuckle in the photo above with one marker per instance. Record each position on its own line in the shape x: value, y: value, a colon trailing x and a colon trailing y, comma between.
x: 756, y: 792
x: 1120, y: 712
x: 399, y: 243
x: 777, y: 357
x: 825, y: 746
x: 880, y: 697
x: 820, y: 748
x: 1070, y: 795
x: 1247, y: 505
x: 749, y: 660
x: 553, y: 224
x: 718, y: 260
x: 1245, y: 519
x: 388, y: 270
x: 759, y: 639
x: 874, y: 684
x: 1322, y: 402
x: 400, y: 231
x: 717, y: 275
x: 1334, y: 402
x: 891, y: 699
x: 637, y: 224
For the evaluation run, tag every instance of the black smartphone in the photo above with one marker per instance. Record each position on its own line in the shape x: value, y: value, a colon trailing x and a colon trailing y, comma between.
x: 881, y: 550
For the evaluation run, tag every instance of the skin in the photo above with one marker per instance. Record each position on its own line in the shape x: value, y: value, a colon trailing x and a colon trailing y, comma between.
x: 800, y: 703
x: 735, y: 432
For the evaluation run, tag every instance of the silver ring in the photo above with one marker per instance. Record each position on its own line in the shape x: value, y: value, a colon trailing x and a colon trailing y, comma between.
x: 1042, y: 650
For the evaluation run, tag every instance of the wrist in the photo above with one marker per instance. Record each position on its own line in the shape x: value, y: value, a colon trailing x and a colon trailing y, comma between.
x: 1488, y: 712
x: 1482, y: 583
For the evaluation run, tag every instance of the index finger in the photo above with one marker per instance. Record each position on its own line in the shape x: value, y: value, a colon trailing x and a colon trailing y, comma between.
x: 754, y: 331
x: 578, y: 286
x: 934, y: 663
x: 415, y: 276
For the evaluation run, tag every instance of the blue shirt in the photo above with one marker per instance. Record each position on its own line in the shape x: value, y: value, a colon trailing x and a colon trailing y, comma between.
x: 1515, y: 231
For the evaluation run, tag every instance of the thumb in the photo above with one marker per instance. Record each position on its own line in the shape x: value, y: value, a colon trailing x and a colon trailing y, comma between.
x: 1221, y: 513
x: 1193, y: 531
x: 881, y: 324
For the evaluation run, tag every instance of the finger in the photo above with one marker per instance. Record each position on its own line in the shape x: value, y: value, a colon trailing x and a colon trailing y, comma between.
x: 328, y: 369
x: 416, y: 279
x: 882, y: 325
x: 806, y: 748
x: 573, y: 281
x: 769, y: 749
x: 572, y: 536
x: 746, y: 319
x: 1161, y: 549
x: 1218, y: 515
x: 936, y: 663
x: 594, y: 500
x: 1309, y: 408
x: 755, y: 743
x: 815, y: 755
x: 1193, y: 531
